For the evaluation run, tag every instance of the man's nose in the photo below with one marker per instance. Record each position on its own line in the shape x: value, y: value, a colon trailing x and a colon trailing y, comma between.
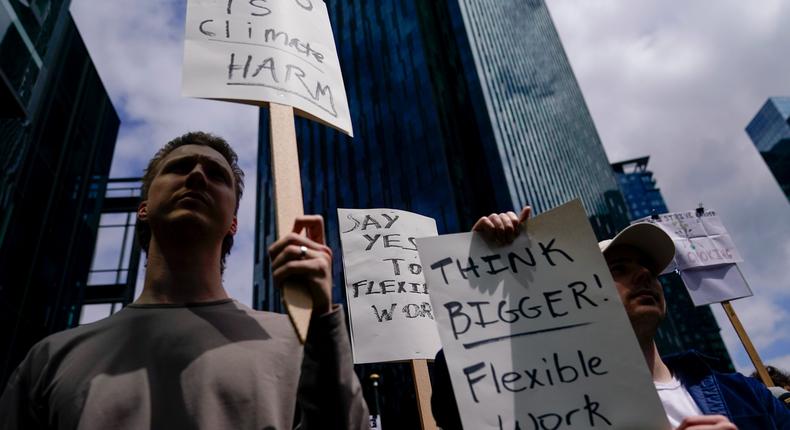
x: 196, y: 177
x: 641, y: 274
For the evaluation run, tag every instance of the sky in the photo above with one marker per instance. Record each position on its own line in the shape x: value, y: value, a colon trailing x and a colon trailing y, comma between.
x: 676, y: 81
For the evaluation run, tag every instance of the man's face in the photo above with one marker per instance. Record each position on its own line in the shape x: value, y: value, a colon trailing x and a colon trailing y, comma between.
x: 639, y: 289
x: 193, y: 187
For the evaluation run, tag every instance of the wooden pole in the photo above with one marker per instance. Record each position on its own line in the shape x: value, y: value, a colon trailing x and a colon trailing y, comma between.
x: 422, y: 385
x: 288, y: 205
x: 747, y: 343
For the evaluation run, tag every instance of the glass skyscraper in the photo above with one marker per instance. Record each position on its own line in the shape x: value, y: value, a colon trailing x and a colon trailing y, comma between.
x: 57, y: 135
x: 460, y: 108
x: 770, y: 132
x: 686, y: 327
x: 639, y: 188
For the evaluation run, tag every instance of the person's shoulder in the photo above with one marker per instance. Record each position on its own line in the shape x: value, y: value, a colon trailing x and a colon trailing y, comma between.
x: 81, y: 333
x: 52, y: 348
x: 270, y: 321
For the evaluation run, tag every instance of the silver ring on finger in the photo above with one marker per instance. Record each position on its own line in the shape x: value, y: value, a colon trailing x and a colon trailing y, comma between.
x: 302, y: 252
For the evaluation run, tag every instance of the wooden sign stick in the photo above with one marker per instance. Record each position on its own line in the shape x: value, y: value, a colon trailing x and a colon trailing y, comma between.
x: 288, y: 205
x: 747, y: 344
x: 422, y: 385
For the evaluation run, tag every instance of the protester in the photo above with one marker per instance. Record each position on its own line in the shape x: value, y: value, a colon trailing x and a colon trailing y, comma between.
x: 184, y: 354
x: 781, y: 388
x: 694, y: 396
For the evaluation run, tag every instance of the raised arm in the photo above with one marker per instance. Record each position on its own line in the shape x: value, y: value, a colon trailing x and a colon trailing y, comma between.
x: 329, y: 393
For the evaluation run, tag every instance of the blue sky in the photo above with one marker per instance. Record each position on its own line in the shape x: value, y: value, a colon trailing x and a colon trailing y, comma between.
x: 678, y: 82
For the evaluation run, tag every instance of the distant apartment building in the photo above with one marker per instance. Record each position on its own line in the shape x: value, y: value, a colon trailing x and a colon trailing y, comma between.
x: 686, y: 327
x: 770, y: 132
x: 57, y: 136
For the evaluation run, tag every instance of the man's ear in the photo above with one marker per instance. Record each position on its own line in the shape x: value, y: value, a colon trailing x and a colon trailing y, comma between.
x: 142, y: 211
x: 233, y: 226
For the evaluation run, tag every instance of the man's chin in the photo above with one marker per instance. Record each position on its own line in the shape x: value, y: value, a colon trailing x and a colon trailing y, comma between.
x: 187, y: 221
x: 643, y: 316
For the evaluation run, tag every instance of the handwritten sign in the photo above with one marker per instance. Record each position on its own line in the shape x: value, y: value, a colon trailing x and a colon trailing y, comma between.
x: 273, y: 51
x: 705, y: 256
x: 700, y: 241
x: 535, y: 334
x: 390, y: 310
x: 715, y: 284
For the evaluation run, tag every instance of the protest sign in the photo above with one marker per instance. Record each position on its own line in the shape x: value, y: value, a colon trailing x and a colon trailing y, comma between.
x: 700, y: 240
x: 715, y: 284
x: 258, y: 51
x: 534, y: 332
x: 388, y: 303
x: 705, y: 256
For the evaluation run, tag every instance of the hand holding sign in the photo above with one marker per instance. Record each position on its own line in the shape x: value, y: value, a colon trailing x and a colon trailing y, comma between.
x: 534, y: 333
x: 306, y: 260
x: 503, y: 227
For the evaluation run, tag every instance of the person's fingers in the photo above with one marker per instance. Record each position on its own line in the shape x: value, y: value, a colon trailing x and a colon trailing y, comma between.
x: 313, y: 224
x: 525, y: 214
x: 298, y: 240
x: 515, y: 223
x: 303, y: 270
x: 513, y: 217
x: 496, y: 233
x: 707, y: 422
x: 483, y: 225
x: 507, y: 228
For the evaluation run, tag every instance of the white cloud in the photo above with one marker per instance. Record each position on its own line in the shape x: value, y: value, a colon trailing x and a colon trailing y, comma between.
x: 680, y: 82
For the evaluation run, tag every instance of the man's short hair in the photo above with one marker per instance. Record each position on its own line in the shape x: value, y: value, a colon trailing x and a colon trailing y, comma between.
x: 142, y: 229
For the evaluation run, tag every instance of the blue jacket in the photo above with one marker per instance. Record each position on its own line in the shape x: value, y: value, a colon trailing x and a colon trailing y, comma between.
x: 745, y: 401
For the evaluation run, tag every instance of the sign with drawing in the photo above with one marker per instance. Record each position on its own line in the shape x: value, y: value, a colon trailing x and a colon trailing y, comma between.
x: 705, y: 256
x: 700, y: 241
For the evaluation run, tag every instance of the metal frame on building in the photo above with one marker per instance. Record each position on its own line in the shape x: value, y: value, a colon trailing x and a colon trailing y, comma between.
x: 122, y: 197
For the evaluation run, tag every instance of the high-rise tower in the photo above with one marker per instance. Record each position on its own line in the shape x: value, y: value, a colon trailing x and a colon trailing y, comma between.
x: 770, y: 132
x: 57, y: 135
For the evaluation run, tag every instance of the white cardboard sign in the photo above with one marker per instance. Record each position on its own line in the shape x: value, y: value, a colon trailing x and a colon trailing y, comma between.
x: 535, y: 334
x: 705, y: 256
x: 700, y: 241
x: 388, y: 303
x: 266, y: 51
x: 715, y: 284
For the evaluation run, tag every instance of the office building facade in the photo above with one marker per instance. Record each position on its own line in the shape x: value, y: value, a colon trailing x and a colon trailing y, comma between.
x: 685, y: 327
x: 639, y: 189
x: 57, y: 133
x: 460, y: 109
x: 770, y: 132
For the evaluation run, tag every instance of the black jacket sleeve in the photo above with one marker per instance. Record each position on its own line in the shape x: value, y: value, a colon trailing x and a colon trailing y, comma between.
x: 329, y: 394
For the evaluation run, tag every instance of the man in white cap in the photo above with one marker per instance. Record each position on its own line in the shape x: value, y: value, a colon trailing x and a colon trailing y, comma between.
x: 695, y: 397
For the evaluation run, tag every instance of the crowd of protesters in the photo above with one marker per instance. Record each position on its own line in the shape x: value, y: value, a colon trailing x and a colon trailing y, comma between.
x: 186, y: 355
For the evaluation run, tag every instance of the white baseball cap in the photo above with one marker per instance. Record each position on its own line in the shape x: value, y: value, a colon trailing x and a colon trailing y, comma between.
x: 648, y: 238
